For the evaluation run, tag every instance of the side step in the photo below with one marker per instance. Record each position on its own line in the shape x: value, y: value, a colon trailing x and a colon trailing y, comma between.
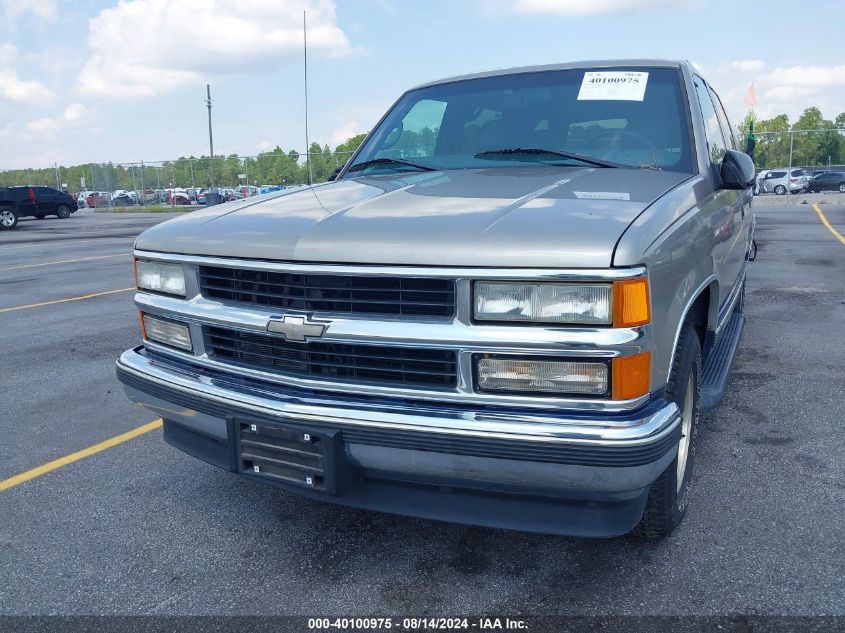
x: 714, y: 379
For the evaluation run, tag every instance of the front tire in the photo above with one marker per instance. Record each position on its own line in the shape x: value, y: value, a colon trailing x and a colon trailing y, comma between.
x: 780, y: 190
x: 63, y: 211
x: 842, y: 187
x: 8, y: 218
x: 668, y: 498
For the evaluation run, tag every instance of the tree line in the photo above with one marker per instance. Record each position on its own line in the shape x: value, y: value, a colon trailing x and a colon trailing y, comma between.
x: 274, y: 167
x: 815, y: 143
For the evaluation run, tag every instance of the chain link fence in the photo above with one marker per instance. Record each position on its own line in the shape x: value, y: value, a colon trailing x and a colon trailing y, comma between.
x: 183, y: 181
x: 808, y: 164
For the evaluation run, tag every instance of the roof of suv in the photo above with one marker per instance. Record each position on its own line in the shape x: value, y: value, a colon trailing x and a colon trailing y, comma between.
x: 604, y: 63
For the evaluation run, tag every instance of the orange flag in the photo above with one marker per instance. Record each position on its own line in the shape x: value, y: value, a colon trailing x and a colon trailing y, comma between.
x: 751, y: 96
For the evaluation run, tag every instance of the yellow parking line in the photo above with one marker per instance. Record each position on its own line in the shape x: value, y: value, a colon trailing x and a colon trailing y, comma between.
x: 829, y: 226
x: 66, y: 261
x: 81, y: 298
x: 25, y: 476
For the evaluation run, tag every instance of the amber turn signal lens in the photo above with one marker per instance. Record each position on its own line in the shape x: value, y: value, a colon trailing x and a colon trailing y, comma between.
x: 630, y: 303
x: 143, y: 327
x: 631, y: 376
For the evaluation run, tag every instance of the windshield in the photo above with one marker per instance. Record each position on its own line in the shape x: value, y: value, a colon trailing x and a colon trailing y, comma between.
x: 631, y: 117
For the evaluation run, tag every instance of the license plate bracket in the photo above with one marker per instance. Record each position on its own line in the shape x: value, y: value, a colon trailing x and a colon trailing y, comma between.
x: 291, y: 455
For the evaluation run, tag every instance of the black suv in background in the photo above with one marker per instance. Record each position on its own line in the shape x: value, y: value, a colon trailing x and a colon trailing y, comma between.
x: 21, y: 202
x: 828, y: 181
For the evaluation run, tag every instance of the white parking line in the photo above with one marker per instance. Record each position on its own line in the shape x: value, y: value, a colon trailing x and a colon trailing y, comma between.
x: 48, y: 242
x: 68, y: 261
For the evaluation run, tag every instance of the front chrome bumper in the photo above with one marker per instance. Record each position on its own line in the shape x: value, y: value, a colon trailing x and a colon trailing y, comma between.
x: 528, y: 470
x: 623, y: 430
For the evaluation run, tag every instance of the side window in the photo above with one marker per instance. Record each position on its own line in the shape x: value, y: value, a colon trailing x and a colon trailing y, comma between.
x: 713, y: 131
x: 724, y: 122
x: 418, y: 136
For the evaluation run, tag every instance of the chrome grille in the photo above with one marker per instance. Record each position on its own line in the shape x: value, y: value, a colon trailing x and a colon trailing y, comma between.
x: 403, y: 296
x: 335, y: 361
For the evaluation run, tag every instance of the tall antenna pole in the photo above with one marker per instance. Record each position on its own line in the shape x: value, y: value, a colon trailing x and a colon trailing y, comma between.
x: 208, y: 105
x: 305, y: 59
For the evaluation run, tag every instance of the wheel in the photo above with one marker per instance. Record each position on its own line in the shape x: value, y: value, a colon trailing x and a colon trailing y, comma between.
x: 669, y: 496
x: 842, y: 187
x: 8, y: 218
x: 63, y: 211
x: 780, y: 190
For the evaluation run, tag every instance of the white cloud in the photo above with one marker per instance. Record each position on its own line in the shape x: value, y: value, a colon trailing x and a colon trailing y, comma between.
x: 813, y: 77
x: 73, y: 115
x: 576, y: 8
x: 788, y: 90
x: 42, y: 9
x: 186, y: 43
x: 748, y: 65
x: 12, y: 87
x: 345, y: 132
x: 75, y: 112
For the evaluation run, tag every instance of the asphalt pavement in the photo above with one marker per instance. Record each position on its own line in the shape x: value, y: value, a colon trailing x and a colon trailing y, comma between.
x: 141, y: 528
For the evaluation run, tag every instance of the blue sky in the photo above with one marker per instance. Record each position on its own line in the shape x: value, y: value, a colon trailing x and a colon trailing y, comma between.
x: 103, y: 80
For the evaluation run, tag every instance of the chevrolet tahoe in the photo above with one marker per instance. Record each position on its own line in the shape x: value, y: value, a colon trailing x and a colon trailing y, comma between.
x: 509, y: 308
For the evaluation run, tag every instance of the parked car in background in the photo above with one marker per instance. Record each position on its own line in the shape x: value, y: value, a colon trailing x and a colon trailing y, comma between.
x: 828, y: 181
x: 38, y: 202
x: 778, y: 181
x: 123, y: 200
x: 97, y: 199
x: 178, y: 197
x: 270, y: 188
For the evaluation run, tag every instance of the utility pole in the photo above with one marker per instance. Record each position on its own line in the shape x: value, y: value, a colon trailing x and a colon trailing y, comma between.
x: 143, y: 197
x: 210, y: 136
x: 305, y: 63
x: 789, y: 171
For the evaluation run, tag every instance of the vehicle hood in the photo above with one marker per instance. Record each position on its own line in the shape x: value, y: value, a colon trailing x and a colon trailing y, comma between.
x: 533, y: 216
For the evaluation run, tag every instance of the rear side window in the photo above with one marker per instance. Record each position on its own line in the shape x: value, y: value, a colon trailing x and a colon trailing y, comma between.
x: 716, y: 144
x: 797, y: 172
x: 724, y: 123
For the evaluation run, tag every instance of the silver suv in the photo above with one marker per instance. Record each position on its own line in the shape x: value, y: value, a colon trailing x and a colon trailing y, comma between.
x: 778, y: 181
x: 510, y: 307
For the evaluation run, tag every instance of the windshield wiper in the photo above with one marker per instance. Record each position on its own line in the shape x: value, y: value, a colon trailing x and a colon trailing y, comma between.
x: 376, y: 162
x: 539, y: 151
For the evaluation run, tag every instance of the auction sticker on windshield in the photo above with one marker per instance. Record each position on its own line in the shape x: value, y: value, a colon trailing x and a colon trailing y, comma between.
x: 613, y: 86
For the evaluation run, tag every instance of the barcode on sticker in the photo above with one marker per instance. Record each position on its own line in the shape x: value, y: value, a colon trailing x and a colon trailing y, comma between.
x: 613, y: 86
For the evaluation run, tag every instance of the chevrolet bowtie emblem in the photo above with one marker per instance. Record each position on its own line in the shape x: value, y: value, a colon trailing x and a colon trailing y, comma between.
x: 296, y: 328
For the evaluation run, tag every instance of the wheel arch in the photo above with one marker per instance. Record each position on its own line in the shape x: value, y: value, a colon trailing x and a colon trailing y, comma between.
x: 702, y: 308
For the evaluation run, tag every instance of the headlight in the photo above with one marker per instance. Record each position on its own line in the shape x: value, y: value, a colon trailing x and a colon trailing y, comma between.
x: 549, y: 376
x: 166, y: 332
x: 160, y: 277
x: 543, y: 303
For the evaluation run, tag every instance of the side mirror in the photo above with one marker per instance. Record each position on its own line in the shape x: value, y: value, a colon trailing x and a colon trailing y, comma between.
x: 335, y: 173
x: 736, y: 170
